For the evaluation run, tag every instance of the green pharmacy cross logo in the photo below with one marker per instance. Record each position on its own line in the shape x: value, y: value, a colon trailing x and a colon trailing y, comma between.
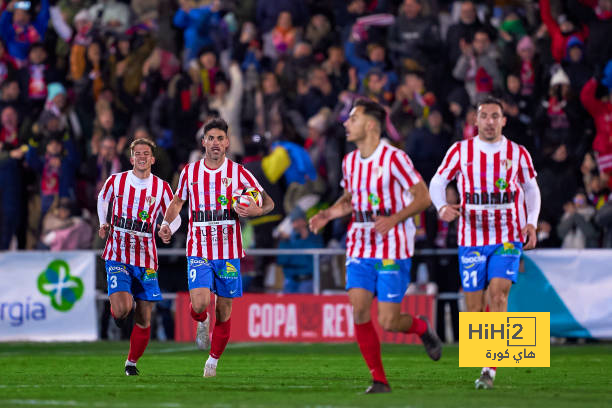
x: 143, y: 215
x: 63, y: 289
x: 501, y: 184
x: 373, y: 199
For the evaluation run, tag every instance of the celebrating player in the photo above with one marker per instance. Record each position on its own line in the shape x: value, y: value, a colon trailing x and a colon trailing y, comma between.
x: 214, y: 242
x: 130, y: 252
x: 500, y: 204
x: 383, y: 191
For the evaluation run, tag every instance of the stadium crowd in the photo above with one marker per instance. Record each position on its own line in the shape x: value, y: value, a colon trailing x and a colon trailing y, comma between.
x: 79, y: 80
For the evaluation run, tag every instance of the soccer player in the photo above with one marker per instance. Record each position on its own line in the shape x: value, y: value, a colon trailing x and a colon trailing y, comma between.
x: 214, y: 241
x: 383, y: 191
x: 130, y: 251
x: 500, y: 204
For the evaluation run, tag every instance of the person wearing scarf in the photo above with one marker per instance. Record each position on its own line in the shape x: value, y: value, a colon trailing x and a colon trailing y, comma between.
x: 17, y: 30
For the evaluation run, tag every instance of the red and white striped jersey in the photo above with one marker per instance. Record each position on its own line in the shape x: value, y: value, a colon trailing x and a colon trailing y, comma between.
x: 136, y: 206
x: 379, y: 185
x: 214, y: 228
x: 493, y: 209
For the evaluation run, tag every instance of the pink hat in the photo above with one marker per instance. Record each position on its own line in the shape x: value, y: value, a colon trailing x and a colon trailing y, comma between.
x: 525, y: 43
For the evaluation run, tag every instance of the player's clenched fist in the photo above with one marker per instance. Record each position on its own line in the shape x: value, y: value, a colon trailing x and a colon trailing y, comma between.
x: 102, y: 231
x: 450, y: 212
x: 165, y: 233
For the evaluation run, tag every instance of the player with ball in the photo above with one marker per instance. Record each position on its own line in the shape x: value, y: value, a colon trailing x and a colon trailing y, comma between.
x: 219, y: 191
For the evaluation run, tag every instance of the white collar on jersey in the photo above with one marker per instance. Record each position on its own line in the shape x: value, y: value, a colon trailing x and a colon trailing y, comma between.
x: 376, y: 152
x: 489, y: 147
x: 209, y: 170
x: 137, y: 181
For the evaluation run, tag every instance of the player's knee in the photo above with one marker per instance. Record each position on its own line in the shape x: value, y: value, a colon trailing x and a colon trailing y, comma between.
x: 387, y: 322
x: 361, y: 315
x: 120, y: 312
x: 199, y: 306
x: 499, y: 298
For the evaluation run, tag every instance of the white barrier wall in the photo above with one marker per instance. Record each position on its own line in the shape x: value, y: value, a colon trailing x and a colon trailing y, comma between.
x: 47, y: 296
x: 575, y: 286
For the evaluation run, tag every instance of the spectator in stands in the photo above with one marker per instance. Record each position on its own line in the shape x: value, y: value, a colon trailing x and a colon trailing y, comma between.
x: 282, y: 38
x: 34, y: 77
x: 64, y: 230
x: 601, y: 111
x: 464, y: 30
x: 560, y: 31
x: 427, y: 144
x: 18, y: 32
x: 597, y: 16
x: 575, y: 65
x: 603, y: 217
x: 268, y: 11
x: 111, y: 16
x: 298, y: 268
x: 227, y: 100
x: 576, y: 227
x: 10, y: 175
x: 196, y: 23
x: 315, y: 92
x: 476, y: 68
x: 8, y: 67
x: 558, y: 183
x: 413, y: 36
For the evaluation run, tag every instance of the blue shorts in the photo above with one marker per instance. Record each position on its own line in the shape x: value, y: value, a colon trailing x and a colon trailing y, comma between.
x: 479, y: 264
x: 387, y: 279
x: 221, y: 276
x: 141, y: 282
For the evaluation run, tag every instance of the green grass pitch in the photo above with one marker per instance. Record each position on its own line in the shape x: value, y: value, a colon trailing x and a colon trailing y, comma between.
x: 309, y: 375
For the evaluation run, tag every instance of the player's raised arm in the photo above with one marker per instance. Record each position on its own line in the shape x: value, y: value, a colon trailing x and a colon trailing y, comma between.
x: 341, y: 207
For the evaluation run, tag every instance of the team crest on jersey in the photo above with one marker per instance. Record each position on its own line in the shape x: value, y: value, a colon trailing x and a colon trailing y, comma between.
x: 226, y: 181
x: 143, y: 215
x: 501, y: 184
x: 507, y: 164
x: 379, y: 172
x: 150, y: 200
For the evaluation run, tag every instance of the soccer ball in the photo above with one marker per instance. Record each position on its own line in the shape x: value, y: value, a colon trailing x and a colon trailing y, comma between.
x: 243, y: 196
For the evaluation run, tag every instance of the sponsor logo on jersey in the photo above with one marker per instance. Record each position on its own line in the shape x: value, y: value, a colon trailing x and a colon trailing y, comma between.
x: 501, y: 184
x: 490, y: 198
x: 222, y: 200
x: 133, y: 224
x: 63, y: 289
x: 373, y: 199
x: 143, y: 215
x: 211, y: 215
x: 368, y: 216
x: 472, y: 259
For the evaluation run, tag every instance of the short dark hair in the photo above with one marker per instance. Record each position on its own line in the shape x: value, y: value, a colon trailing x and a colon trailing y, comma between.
x: 146, y: 142
x: 215, y: 123
x: 373, y: 109
x: 489, y: 100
